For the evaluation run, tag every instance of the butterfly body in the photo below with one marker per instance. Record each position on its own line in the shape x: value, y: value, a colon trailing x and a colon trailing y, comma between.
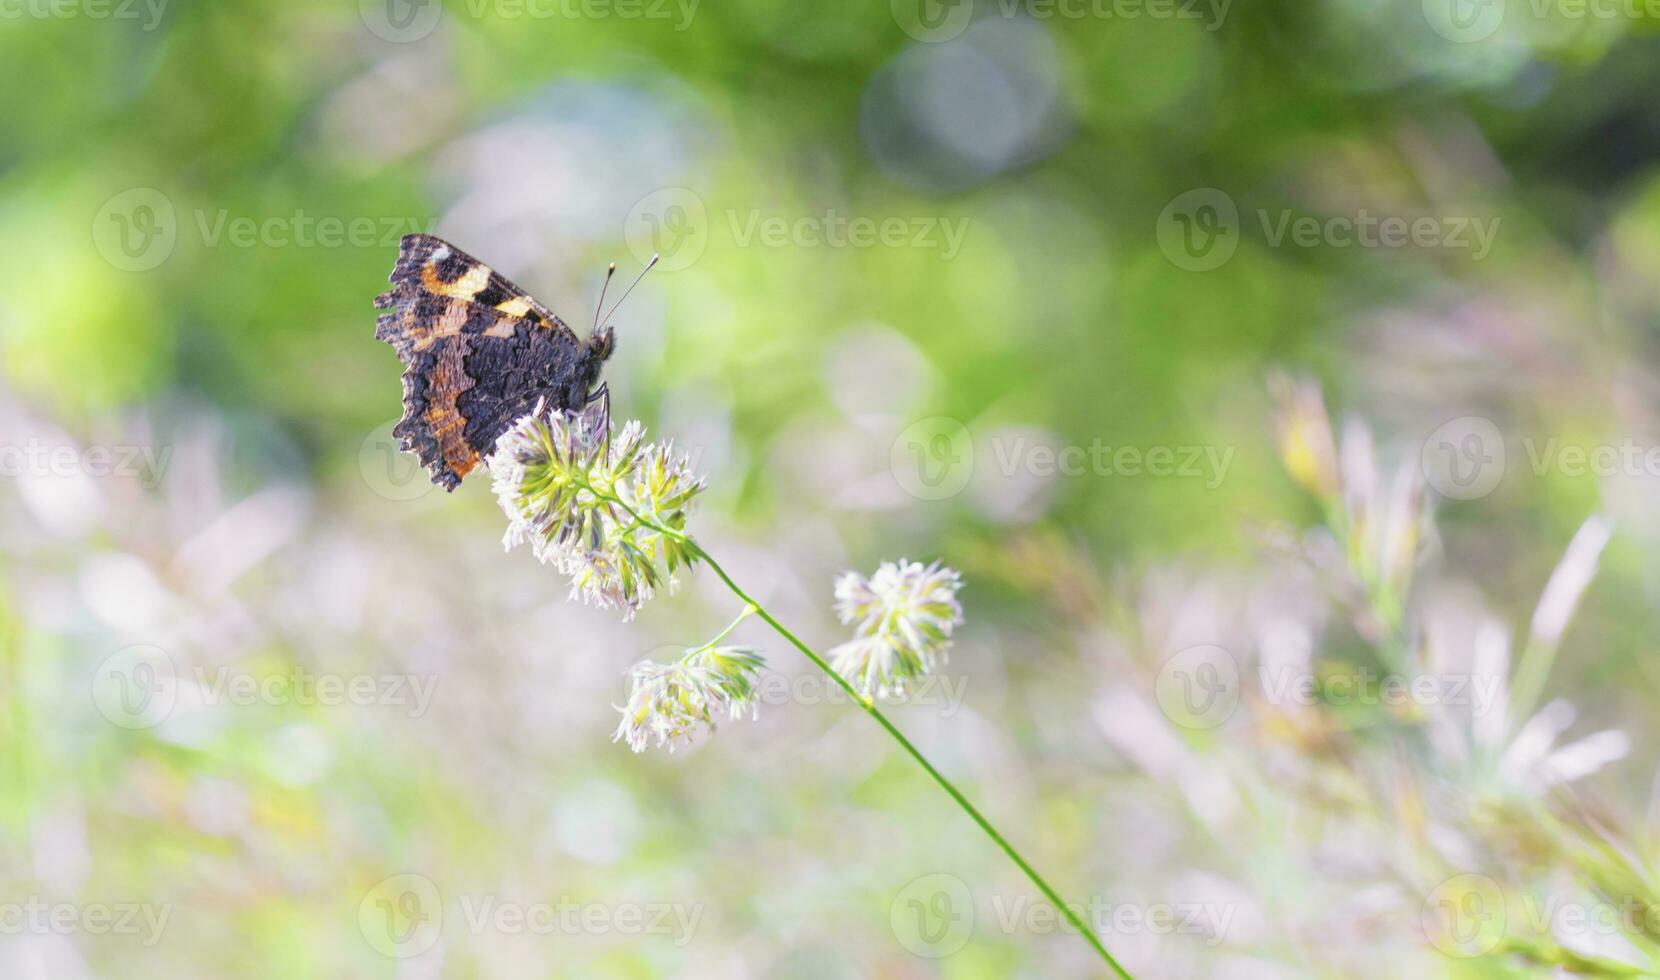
x: 478, y: 354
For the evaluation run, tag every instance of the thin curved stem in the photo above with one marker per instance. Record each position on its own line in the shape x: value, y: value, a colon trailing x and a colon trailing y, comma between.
x: 921, y: 760
x: 881, y: 719
x: 749, y: 610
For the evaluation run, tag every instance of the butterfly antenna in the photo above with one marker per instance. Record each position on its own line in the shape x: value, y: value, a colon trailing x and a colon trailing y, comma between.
x: 607, y: 284
x: 631, y: 286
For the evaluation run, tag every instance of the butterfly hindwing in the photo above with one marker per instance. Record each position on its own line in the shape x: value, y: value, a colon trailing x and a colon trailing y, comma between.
x: 433, y: 426
x: 469, y: 371
x: 434, y: 336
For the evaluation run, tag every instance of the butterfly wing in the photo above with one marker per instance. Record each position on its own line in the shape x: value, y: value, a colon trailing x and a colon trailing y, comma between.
x: 437, y: 267
x: 470, y: 368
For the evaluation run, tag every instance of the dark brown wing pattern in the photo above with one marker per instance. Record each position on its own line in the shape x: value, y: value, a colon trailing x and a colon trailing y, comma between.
x: 478, y: 353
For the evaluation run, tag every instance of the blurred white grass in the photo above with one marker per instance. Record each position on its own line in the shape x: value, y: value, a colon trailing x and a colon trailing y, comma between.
x: 1322, y: 830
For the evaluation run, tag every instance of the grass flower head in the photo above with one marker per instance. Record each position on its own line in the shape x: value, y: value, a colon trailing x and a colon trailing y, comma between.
x: 595, y: 506
x: 669, y: 702
x: 903, y: 618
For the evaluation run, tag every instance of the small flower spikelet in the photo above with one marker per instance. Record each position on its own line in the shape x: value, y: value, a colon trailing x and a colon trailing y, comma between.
x: 671, y: 701
x: 904, y: 614
x: 551, y: 473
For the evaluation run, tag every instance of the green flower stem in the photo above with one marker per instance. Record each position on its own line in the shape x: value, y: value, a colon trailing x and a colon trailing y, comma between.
x: 881, y: 719
x: 905, y: 743
x: 749, y: 610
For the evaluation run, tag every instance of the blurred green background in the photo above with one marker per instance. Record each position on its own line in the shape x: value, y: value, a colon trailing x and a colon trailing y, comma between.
x: 282, y: 709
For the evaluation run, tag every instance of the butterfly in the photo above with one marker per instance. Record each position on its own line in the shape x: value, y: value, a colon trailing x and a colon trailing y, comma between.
x: 479, y: 353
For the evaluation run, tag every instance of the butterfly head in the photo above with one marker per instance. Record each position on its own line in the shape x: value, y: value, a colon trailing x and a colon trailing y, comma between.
x: 604, y: 339
x: 601, y: 343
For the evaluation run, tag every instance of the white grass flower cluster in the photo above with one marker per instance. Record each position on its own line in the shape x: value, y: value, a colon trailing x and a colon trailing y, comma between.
x: 669, y: 702
x: 559, y: 476
x: 903, y: 619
